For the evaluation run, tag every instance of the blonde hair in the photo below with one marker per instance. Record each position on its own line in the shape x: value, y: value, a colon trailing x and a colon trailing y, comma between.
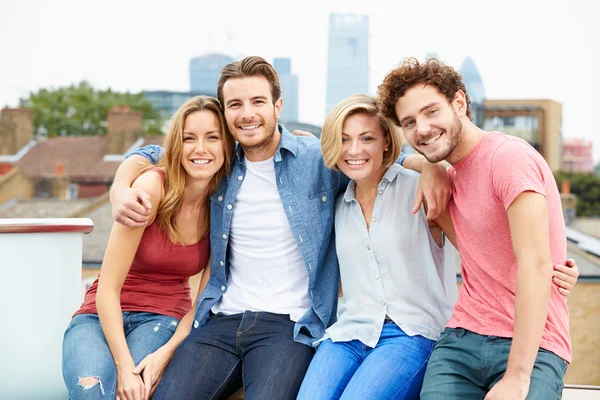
x: 175, y: 174
x: 331, y: 136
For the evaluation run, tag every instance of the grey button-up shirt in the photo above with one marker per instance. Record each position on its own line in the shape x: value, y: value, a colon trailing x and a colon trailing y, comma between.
x: 395, y: 268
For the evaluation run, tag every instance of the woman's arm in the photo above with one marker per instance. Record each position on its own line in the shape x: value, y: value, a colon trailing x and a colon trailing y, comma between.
x: 153, y: 365
x: 120, y: 252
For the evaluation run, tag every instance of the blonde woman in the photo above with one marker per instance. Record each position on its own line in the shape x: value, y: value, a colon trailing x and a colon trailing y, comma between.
x: 139, y: 309
x: 398, y: 282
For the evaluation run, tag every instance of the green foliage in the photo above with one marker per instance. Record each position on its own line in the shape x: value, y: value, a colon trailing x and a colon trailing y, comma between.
x: 587, y: 189
x: 82, y: 110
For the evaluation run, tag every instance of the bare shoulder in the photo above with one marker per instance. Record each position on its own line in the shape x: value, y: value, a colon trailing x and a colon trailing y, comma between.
x: 150, y: 182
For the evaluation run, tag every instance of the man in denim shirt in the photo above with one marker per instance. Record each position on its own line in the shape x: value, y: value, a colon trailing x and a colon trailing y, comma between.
x: 274, y: 273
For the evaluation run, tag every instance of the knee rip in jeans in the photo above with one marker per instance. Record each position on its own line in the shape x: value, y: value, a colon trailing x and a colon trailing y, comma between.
x: 88, y: 382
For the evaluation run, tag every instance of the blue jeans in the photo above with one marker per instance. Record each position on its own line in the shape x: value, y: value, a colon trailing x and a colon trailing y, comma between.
x: 86, y: 353
x: 253, y: 349
x: 465, y: 365
x: 394, y: 369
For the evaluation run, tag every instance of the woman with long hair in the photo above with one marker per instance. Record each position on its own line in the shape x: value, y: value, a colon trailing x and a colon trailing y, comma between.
x: 139, y: 309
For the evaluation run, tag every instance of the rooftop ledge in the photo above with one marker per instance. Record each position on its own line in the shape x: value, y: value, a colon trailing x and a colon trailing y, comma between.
x: 43, y: 225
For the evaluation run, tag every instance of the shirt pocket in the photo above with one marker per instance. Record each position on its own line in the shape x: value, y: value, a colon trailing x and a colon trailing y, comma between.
x: 321, y: 207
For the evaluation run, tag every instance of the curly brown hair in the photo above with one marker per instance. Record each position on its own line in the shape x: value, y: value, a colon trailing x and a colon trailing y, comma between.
x: 409, y: 73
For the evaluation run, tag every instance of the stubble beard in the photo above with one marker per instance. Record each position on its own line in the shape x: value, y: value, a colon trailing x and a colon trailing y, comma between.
x: 453, y: 136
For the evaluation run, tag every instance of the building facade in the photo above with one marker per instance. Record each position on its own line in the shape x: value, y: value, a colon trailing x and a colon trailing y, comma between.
x: 167, y: 102
x: 473, y: 82
x: 205, y: 71
x: 347, y: 57
x: 577, y: 156
x: 289, y: 89
x: 539, y: 122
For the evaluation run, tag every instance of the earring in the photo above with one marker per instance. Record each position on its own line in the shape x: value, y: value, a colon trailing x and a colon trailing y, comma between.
x: 386, y: 149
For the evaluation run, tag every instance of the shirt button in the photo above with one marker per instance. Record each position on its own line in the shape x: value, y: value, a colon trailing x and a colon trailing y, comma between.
x: 229, y: 206
x: 220, y: 198
x: 240, y: 178
x: 368, y: 247
x: 324, y: 199
x: 196, y: 323
x: 381, y: 192
x: 383, y: 304
x: 223, y: 288
x: 224, y: 236
x: 376, y: 276
x: 374, y: 219
x: 221, y: 263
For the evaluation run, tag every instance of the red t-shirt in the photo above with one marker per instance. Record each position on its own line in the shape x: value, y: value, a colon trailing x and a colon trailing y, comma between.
x: 158, y: 280
x: 485, y: 183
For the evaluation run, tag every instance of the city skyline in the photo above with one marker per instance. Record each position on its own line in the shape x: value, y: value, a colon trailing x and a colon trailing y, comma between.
x: 43, y: 45
x: 347, y: 57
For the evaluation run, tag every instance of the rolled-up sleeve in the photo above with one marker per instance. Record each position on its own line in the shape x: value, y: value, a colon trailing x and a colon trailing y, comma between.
x: 152, y: 152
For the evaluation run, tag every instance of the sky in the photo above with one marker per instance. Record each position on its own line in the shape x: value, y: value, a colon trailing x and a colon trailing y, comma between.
x: 522, y: 48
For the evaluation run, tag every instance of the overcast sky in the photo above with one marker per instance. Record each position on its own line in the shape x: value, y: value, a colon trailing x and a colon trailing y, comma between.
x: 522, y: 48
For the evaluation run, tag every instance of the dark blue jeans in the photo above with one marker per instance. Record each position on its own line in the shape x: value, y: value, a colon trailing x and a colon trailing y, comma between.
x: 465, y: 365
x: 253, y: 349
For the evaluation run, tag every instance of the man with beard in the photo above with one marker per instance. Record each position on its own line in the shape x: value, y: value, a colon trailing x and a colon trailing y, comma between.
x: 508, y: 337
x: 274, y: 272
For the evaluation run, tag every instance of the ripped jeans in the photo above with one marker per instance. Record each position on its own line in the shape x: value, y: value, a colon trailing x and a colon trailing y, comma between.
x: 85, y: 352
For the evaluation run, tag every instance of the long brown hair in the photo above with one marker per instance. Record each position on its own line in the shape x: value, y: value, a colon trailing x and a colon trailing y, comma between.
x: 175, y: 174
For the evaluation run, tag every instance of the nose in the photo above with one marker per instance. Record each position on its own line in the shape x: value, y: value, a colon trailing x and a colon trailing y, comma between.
x: 423, y: 127
x: 248, y: 112
x: 200, y: 146
x: 354, y: 149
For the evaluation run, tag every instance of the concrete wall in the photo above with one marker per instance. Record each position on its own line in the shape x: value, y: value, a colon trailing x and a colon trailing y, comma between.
x: 584, y: 307
x: 15, y: 184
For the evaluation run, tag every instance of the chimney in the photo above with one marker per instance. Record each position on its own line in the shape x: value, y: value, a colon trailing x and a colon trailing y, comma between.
x: 124, y: 126
x: 16, y: 129
x: 565, y: 187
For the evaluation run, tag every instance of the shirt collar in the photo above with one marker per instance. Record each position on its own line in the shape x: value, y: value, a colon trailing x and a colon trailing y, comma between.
x: 288, y: 142
x: 388, y: 177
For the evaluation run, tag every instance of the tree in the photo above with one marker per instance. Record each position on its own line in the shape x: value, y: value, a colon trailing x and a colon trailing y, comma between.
x: 82, y: 110
x: 587, y: 189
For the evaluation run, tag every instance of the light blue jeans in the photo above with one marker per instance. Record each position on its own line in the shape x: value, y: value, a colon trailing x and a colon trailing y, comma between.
x: 394, y: 369
x: 86, y: 353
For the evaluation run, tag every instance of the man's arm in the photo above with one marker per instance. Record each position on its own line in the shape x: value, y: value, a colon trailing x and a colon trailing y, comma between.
x: 529, y: 229
x: 130, y: 206
x: 434, y: 185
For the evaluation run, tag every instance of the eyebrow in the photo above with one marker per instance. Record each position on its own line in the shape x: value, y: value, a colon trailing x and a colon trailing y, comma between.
x: 206, y: 133
x: 362, y: 134
x: 420, y: 111
x: 252, y: 98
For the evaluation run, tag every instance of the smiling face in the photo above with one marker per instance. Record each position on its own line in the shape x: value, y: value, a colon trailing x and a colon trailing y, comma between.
x: 252, y: 116
x: 202, y: 152
x: 429, y: 122
x: 363, y: 146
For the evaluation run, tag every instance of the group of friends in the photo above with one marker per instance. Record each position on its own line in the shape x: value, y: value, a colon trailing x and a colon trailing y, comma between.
x: 329, y: 264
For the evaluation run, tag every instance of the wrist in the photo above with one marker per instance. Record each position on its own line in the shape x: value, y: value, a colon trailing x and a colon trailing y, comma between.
x: 518, y: 374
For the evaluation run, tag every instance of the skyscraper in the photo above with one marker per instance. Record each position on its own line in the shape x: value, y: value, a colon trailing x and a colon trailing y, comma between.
x: 431, y: 54
x: 289, y: 89
x: 474, y: 84
x: 347, y: 57
x: 205, y: 71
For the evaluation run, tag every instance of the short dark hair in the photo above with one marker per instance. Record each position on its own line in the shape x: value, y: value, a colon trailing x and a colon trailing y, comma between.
x: 247, y: 67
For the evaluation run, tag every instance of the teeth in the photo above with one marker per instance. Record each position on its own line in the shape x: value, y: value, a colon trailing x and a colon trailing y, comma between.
x: 201, y: 162
x: 432, y: 139
x: 247, y: 128
x: 356, y: 162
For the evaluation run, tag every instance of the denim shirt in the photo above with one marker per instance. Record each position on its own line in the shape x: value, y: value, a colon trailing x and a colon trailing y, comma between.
x: 308, y: 190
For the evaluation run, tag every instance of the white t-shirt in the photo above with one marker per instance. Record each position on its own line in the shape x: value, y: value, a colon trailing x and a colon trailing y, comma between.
x: 266, y: 269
